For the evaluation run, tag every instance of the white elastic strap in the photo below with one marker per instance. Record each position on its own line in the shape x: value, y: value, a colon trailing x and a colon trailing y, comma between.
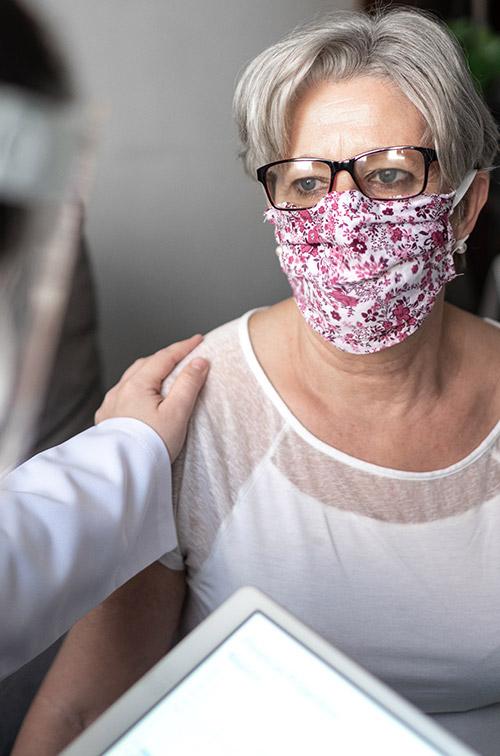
x: 463, y: 188
x: 460, y: 245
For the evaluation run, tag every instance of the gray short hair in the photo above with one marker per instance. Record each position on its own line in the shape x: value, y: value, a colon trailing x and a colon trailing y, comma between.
x: 411, y: 48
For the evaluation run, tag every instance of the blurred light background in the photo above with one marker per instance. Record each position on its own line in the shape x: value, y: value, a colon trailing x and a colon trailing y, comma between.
x: 174, y: 225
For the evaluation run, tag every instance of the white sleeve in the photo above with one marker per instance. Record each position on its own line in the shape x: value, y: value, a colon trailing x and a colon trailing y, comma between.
x: 76, y: 522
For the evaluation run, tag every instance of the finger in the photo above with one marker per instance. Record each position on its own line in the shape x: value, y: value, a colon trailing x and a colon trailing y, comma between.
x: 159, y: 365
x: 184, y: 391
x: 140, y: 362
x: 132, y: 369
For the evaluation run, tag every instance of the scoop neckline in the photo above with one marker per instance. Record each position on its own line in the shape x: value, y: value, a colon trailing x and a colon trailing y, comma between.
x: 331, y: 451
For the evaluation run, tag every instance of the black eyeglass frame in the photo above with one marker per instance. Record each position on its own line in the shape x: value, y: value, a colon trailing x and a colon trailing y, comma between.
x: 429, y: 155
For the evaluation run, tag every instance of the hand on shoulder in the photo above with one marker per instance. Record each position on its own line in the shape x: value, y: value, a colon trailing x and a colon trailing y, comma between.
x: 138, y: 393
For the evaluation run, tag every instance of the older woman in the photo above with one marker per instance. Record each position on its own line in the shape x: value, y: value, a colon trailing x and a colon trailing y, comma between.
x: 345, y: 456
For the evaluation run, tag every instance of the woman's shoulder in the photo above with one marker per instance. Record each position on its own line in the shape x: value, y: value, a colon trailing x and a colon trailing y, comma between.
x: 223, y: 342
x: 233, y: 423
x: 221, y: 347
x: 231, y: 391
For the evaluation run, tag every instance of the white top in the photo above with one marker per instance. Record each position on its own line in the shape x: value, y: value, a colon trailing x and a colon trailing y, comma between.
x: 400, y: 570
x: 76, y: 522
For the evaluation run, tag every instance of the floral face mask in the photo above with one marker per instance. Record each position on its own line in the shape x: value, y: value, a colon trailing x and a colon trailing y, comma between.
x: 366, y: 273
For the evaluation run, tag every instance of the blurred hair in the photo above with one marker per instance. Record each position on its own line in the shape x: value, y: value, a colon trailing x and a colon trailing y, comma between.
x: 29, y: 62
x: 410, y: 48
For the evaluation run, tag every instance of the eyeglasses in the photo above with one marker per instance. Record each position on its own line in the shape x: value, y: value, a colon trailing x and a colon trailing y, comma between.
x: 388, y: 173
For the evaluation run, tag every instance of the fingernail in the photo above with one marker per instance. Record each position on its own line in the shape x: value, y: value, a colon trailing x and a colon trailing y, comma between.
x: 199, y: 364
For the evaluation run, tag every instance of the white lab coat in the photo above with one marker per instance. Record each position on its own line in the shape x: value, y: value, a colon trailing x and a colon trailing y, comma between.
x: 76, y: 522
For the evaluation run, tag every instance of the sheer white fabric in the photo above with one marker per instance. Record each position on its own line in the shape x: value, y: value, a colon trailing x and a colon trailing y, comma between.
x: 400, y: 570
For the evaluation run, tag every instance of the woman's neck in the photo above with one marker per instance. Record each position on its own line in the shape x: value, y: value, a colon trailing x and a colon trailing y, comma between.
x: 389, y: 383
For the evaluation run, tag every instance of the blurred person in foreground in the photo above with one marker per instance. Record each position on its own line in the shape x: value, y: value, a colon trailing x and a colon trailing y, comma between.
x: 80, y: 519
x: 345, y: 455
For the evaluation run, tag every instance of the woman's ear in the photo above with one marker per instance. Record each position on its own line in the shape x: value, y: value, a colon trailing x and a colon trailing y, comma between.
x: 472, y: 205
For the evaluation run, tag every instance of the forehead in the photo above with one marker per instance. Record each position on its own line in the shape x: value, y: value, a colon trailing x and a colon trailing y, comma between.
x: 337, y: 120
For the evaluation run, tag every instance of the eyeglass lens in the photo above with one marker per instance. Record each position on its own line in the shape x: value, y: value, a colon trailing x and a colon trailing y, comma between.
x: 388, y: 174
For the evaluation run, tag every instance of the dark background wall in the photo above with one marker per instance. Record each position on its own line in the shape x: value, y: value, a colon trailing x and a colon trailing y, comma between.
x: 484, y: 244
x: 452, y: 9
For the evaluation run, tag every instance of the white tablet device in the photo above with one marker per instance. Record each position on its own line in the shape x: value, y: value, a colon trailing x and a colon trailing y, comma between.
x: 251, y: 680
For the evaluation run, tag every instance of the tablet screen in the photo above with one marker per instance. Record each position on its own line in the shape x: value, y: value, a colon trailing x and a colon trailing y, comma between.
x: 261, y: 692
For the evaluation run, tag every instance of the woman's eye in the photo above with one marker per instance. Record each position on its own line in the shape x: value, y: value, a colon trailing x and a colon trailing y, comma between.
x: 390, y: 176
x: 308, y: 185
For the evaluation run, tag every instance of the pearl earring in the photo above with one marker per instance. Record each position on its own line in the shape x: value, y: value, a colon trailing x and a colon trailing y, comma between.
x: 460, y: 246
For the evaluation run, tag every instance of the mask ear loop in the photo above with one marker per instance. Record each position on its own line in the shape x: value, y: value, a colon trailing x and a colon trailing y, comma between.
x: 463, y: 188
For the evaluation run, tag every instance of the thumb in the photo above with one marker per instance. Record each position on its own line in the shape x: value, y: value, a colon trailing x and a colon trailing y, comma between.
x: 183, y: 393
x: 155, y: 368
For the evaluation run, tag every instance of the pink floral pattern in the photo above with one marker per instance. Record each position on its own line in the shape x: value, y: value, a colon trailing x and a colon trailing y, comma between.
x: 365, y: 273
